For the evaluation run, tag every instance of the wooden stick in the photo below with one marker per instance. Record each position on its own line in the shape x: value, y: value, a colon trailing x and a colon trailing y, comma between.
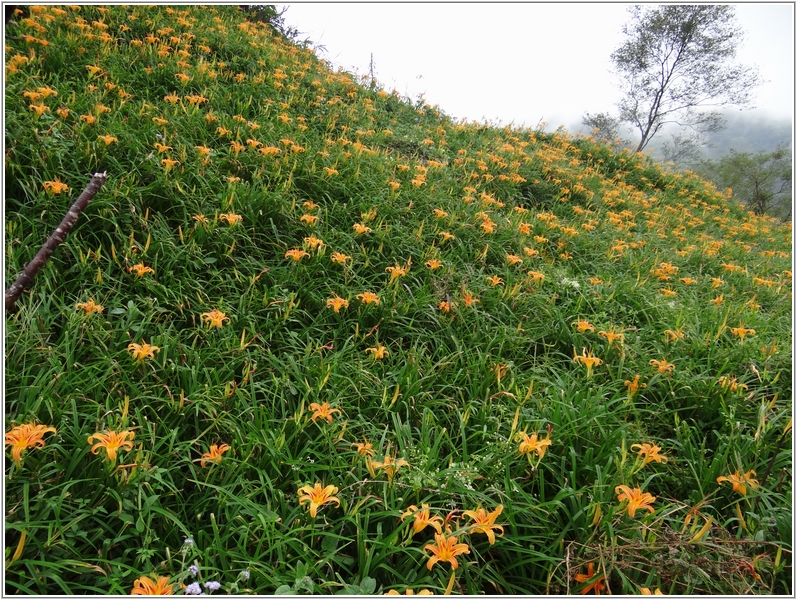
x: 34, y: 266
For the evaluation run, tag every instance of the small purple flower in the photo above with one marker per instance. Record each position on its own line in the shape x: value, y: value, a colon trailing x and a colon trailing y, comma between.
x: 212, y: 585
x: 194, y: 570
x: 244, y: 575
x: 193, y: 589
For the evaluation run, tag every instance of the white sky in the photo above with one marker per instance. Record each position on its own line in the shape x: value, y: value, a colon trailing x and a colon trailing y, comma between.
x: 520, y: 63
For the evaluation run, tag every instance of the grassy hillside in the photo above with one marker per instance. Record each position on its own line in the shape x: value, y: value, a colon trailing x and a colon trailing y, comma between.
x: 314, y: 337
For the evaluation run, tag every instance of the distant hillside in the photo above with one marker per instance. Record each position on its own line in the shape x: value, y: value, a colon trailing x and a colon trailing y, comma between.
x: 744, y: 133
x: 311, y: 337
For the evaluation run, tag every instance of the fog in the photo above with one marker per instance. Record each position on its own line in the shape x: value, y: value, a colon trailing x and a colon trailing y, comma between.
x: 744, y: 132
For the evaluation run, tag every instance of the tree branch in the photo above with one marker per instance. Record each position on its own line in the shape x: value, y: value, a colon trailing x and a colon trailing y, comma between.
x: 34, y: 266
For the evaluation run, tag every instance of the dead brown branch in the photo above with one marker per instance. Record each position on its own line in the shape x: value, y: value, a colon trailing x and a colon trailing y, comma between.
x: 34, y: 266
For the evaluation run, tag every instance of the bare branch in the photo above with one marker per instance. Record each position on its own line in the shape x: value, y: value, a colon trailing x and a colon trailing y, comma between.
x: 42, y: 256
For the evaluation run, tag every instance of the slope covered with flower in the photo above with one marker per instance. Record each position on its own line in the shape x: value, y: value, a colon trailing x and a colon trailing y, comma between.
x: 314, y: 337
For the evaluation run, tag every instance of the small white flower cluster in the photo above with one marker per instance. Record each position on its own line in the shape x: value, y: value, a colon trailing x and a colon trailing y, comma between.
x: 458, y: 475
x: 193, y: 570
x: 571, y: 282
x: 194, y: 589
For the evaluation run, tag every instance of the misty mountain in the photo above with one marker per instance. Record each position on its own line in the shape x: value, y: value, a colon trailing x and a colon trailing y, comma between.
x: 744, y: 132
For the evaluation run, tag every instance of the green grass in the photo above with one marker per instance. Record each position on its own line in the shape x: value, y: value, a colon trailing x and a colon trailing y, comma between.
x: 607, y: 231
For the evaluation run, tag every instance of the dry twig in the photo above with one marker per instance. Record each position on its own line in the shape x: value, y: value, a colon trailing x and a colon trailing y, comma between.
x: 42, y: 256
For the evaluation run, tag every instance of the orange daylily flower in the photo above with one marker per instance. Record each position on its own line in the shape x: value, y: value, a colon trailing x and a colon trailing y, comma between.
x: 317, y: 496
x: 90, y: 306
x: 140, y: 269
x: 215, y: 318
x: 309, y: 219
x: 741, y: 331
x: 108, y: 139
x: 422, y: 519
x: 368, y: 298
x: 468, y: 298
x: 144, y: 586
x: 487, y: 225
x: 598, y: 585
x: 231, y: 218
x: 446, y: 306
x: 446, y: 549
x: 142, y: 351
x: 27, y: 435
x: 636, y: 499
x: 634, y: 386
x: 339, y: 258
x: 390, y: 466
x: 396, y: 272
x: 433, y: 264
x: 56, y: 187
x: 662, y: 366
x: 447, y: 236
x: 536, y: 276
x: 649, y: 453
x: 671, y: 335
x: 531, y: 444
x: 214, y: 454
x: 484, y: 522
x: 612, y: 336
x: 112, y: 442
x: 379, y: 352
x: 296, y: 254
x: 336, y: 303
x: 364, y: 448
x: 161, y: 148
x: 39, y: 109
x: 582, y: 326
x: 313, y: 242
x: 740, y: 481
x: 323, y: 411
x: 587, y: 360
x: 731, y: 383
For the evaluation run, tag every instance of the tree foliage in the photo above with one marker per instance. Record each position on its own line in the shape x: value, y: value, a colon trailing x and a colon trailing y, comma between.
x: 268, y: 13
x: 762, y: 181
x: 605, y: 128
x: 676, y: 63
x: 683, y: 149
